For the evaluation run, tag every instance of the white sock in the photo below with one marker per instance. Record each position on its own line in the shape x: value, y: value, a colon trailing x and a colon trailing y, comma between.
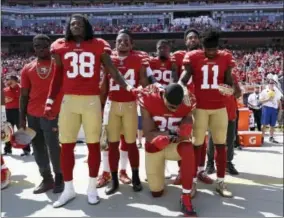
x: 69, y: 186
x: 92, y: 185
x: 220, y: 180
x: 186, y: 191
x: 105, y: 161
x: 195, y: 180
x: 123, y: 160
x: 200, y: 169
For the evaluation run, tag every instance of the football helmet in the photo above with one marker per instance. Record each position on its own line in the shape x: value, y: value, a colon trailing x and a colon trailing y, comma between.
x: 22, y: 138
x: 6, y: 132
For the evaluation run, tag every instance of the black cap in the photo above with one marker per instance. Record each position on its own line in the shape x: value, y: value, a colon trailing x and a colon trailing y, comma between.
x: 174, y: 94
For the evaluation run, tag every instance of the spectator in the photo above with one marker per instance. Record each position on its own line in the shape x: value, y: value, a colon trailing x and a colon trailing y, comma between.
x: 11, y: 96
x: 255, y: 105
x: 271, y: 103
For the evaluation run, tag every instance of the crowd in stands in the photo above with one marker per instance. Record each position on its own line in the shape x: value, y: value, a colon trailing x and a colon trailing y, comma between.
x: 146, y: 3
x: 252, y: 67
x: 53, y: 28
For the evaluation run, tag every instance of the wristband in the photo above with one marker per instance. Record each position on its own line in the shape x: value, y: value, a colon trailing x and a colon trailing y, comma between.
x: 49, y: 101
x: 128, y: 88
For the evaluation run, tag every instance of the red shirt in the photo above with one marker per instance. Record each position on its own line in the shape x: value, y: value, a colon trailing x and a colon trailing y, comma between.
x: 81, y: 66
x: 12, y: 97
x: 130, y: 68
x: 163, y: 118
x: 39, y: 83
x: 162, y: 70
x: 179, y: 56
x: 206, y: 75
x: 231, y: 103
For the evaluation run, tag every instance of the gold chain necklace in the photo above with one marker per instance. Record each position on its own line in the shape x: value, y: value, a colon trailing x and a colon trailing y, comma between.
x: 38, y: 70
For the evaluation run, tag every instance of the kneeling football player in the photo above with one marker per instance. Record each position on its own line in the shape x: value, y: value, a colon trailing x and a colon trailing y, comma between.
x: 167, y: 129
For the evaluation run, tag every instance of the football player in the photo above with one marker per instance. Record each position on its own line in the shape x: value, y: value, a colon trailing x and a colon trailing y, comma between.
x: 105, y: 177
x: 36, y: 78
x: 163, y: 66
x: 167, y: 128
x: 192, y: 42
x: 210, y: 69
x: 122, y: 115
x: 78, y: 60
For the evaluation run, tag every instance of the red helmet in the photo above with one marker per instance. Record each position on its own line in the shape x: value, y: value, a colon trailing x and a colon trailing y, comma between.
x: 6, y: 132
x: 22, y: 138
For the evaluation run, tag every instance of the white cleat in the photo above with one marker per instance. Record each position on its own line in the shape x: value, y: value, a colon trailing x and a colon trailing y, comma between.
x: 93, y: 198
x: 64, y: 198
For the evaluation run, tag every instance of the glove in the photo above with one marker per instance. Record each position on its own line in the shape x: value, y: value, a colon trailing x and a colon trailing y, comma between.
x: 184, y: 130
x: 48, y: 113
x: 161, y: 141
x: 225, y: 89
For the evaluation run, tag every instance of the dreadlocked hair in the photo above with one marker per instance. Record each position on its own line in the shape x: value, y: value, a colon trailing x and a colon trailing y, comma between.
x: 89, y: 34
x: 191, y: 31
x: 210, y: 38
x: 42, y: 37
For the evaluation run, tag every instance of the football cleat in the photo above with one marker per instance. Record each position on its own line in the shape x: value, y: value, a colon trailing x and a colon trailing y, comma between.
x: 103, y: 179
x: 186, y: 206
x: 203, y: 177
x: 123, y: 177
x: 177, y: 180
x: 221, y: 188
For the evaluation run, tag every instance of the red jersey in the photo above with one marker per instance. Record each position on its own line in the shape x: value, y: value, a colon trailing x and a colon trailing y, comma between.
x: 81, y: 66
x: 130, y: 68
x: 12, y: 97
x: 163, y: 118
x: 206, y: 75
x: 179, y: 56
x: 162, y: 70
x: 37, y: 78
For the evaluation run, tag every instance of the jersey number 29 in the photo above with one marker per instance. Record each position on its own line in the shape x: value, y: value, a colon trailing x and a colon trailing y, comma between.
x: 80, y: 65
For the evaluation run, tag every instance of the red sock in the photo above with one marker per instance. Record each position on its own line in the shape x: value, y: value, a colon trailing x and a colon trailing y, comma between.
x: 203, y: 154
x: 197, y: 157
x: 113, y: 156
x: 133, y: 155
x: 187, y: 167
x: 221, y: 160
x: 94, y: 159
x: 67, y: 160
x: 123, y: 144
